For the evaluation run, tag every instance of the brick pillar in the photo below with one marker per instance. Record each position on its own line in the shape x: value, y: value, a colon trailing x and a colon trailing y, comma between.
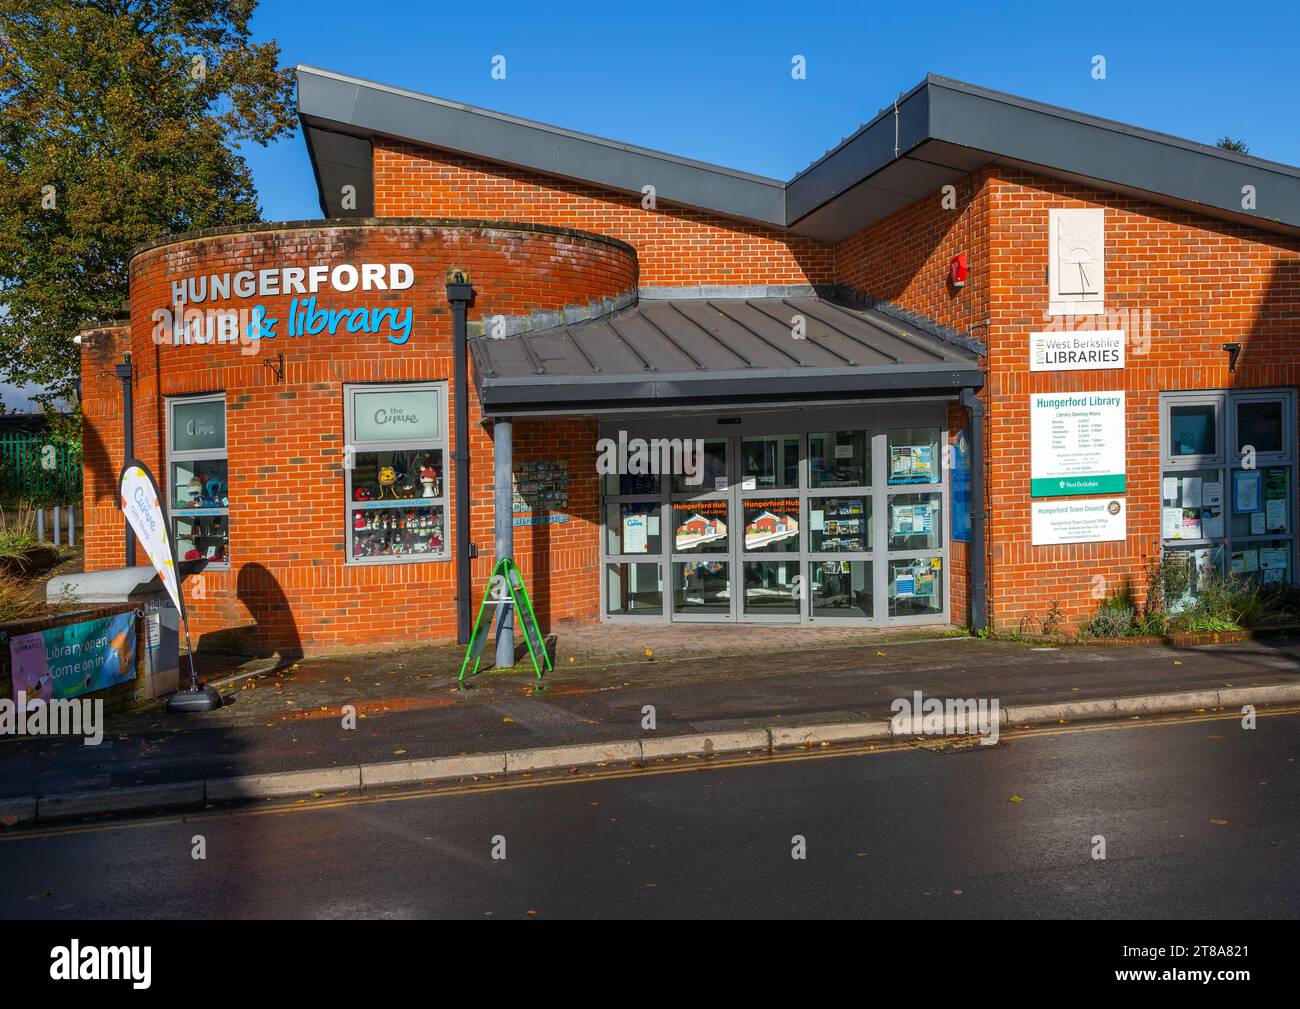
x: 102, y: 349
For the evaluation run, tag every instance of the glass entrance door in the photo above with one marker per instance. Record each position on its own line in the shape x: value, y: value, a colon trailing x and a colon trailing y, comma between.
x: 767, y: 505
x: 703, y: 537
x: 829, y: 517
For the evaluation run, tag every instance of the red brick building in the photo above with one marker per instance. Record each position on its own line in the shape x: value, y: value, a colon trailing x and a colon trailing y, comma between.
x: 986, y: 356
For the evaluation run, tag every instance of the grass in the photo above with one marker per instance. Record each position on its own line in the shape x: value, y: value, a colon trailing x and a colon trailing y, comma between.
x: 17, y: 531
x: 16, y: 601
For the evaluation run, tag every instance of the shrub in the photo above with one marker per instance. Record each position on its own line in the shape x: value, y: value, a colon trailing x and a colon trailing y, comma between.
x: 16, y: 601
x: 1170, y: 579
x: 17, y: 530
x: 1114, y: 617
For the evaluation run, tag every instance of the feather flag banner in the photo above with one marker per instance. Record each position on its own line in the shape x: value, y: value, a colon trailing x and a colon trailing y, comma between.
x: 142, y: 506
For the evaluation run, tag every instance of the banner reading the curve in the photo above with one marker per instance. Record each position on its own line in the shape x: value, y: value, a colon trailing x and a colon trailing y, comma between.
x: 142, y: 505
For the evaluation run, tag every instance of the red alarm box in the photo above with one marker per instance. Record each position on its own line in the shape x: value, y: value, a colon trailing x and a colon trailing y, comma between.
x: 957, y: 270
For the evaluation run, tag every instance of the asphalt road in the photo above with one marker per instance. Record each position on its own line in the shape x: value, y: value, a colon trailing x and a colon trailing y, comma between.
x: 1201, y: 819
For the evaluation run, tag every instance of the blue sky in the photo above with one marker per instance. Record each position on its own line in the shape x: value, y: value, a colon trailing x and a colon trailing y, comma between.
x: 712, y: 81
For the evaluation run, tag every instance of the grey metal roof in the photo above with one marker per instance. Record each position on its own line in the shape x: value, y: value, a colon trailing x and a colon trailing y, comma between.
x: 696, y: 352
x: 934, y: 135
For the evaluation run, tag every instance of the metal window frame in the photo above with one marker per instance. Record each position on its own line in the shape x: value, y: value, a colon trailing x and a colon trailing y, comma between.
x: 172, y: 455
x: 1224, y: 462
x: 351, y: 507
x: 876, y: 420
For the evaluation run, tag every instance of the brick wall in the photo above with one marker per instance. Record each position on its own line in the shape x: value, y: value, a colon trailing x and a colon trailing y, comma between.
x: 102, y: 349
x: 904, y: 259
x: 1204, y: 282
x: 285, y: 439
x: 676, y: 246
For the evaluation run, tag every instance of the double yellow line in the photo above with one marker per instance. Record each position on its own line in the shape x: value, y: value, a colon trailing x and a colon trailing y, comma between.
x: 682, y: 765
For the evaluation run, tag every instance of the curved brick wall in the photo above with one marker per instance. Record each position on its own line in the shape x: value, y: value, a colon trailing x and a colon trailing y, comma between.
x: 289, y: 584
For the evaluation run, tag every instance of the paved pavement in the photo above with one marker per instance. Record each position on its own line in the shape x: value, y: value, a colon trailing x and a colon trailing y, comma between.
x: 1200, y: 820
x: 409, y: 708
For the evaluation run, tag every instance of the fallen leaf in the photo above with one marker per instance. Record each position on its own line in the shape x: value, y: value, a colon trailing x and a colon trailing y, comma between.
x: 398, y: 752
x: 1219, y: 823
x: 1016, y: 798
x: 507, y: 719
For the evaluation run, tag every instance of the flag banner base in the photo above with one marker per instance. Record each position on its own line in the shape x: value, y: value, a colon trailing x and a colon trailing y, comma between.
x: 200, y: 699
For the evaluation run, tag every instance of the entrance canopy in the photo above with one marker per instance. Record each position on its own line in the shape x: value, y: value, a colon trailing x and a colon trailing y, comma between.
x: 708, y: 353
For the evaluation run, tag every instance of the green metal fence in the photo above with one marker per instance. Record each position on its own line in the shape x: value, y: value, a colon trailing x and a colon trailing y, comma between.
x: 39, y: 469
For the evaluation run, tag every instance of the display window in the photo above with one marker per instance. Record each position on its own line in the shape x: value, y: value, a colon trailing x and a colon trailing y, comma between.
x: 839, y: 524
x: 839, y: 459
x: 712, y: 475
x: 1229, y: 510
x: 915, y: 586
x: 769, y: 462
x: 634, y: 589
x: 772, y: 525
x: 915, y: 522
x: 632, y: 527
x: 914, y: 455
x: 702, y: 587
x: 198, y: 485
x: 771, y: 589
x: 701, y: 527
x: 802, y: 517
x: 840, y: 589
x: 394, y: 461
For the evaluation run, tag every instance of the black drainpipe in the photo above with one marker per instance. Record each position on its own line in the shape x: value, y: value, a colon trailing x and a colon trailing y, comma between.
x: 123, y: 371
x: 978, y: 549
x: 460, y: 294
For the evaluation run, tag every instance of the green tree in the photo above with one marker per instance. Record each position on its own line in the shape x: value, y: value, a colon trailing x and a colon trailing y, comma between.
x: 120, y: 122
x: 1227, y: 143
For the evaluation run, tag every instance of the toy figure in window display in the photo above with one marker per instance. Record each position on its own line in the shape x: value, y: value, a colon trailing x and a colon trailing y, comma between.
x: 195, y: 491
x: 215, y: 493
x: 387, y: 478
x: 429, y: 479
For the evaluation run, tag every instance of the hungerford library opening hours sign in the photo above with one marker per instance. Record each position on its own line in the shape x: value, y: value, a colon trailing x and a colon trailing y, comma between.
x: 1076, y: 443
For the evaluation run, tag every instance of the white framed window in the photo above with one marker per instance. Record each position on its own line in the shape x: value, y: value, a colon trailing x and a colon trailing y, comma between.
x: 198, y: 485
x: 1076, y: 264
x: 395, y: 464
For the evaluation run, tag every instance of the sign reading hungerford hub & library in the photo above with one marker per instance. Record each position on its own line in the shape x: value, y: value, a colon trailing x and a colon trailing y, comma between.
x: 1076, y: 443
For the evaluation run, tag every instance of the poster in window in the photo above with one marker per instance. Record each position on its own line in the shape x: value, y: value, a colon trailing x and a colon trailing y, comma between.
x: 634, y: 533
x: 911, y: 464
x: 1245, y: 491
x: 1272, y: 557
